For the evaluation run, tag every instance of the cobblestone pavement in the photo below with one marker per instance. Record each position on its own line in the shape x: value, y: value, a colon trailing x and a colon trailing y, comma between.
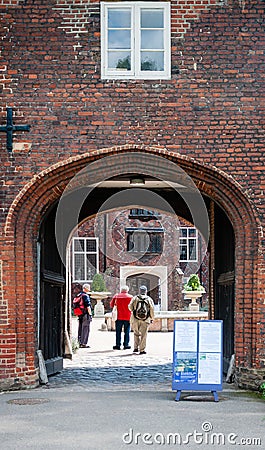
x: 101, y: 366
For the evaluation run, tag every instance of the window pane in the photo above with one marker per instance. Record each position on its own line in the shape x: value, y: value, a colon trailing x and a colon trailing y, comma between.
x: 152, y: 39
x: 137, y: 243
x: 119, y: 39
x: 79, y: 245
x: 145, y: 243
x: 183, y: 232
x: 159, y: 244
x: 156, y: 243
x: 183, y: 253
x: 79, y: 267
x: 130, y: 243
x: 141, y: 242
x: 119, y: 18
x: 152, y: 18
x: 91, y: 245
x: 91, y: 266
x: 192, y: 232
x: 91, y: 260
x: 152, y: 61
x: 192, y: 249
x: 119, y: 60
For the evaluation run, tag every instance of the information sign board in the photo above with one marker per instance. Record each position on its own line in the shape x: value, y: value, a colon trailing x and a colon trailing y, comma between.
x: 197, y: 356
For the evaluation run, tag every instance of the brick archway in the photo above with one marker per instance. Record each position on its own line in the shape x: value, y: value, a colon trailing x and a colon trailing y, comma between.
x: 20, y: 263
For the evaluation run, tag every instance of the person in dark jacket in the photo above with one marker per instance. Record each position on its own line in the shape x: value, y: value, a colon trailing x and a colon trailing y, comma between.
x: 85, y: 319
x: 122, y: 301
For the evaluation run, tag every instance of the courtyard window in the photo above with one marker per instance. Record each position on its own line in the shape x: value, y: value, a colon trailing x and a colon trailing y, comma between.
x: 144, y: 240
x: 135, y: 40
x: 144, y: 214
x: 188, y: 241
x: 85, y: 260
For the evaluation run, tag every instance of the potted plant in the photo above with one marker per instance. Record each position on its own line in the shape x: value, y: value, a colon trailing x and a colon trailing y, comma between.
x: 98, y: 293
x: 193, y: 289
x: 98, y: 283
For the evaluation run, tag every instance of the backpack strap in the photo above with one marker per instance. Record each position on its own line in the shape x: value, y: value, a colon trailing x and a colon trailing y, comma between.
x: 137, y: 299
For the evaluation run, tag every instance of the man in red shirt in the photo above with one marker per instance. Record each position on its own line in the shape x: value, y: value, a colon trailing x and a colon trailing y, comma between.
x: 122, y: 301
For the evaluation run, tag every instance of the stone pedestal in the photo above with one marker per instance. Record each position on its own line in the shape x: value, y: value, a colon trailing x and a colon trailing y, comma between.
x: 193, y: 306
x: 99, y: 307
x: 164, y: 325
x: 193, y: 295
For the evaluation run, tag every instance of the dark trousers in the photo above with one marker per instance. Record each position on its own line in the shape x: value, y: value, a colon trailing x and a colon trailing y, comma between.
x: 83, y: 329
x: 119, y: 324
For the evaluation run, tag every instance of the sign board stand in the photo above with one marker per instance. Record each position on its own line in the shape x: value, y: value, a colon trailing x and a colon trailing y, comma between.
x: 197, y: 356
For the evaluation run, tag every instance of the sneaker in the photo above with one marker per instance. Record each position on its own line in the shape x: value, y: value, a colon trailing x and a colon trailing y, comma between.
x: 135, y: 350
x: 127, y: 347
x: 142, y: 353
x: 115, y: 347
x: 84, y: 346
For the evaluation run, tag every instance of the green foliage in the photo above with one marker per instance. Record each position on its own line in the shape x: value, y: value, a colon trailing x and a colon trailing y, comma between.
x: 193, y: 284
x: 98, y: 283
x: 262, y: 389
x: 148, y: 65
x: 124, y: 63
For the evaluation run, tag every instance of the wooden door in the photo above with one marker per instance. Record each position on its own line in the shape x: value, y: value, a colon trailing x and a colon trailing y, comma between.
x: 52, y: 282
x: 225, y: 281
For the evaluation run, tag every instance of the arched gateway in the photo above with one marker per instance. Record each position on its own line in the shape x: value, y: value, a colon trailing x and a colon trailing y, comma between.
x: 33, y: 274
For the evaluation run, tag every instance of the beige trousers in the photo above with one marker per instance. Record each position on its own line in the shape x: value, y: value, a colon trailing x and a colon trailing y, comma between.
x: 140, y: 330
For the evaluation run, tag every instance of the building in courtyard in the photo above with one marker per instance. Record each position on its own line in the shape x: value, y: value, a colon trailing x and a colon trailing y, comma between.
x: 139, y: 247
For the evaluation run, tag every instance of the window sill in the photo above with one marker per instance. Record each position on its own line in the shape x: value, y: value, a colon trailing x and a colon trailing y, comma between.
x: 136, y: 78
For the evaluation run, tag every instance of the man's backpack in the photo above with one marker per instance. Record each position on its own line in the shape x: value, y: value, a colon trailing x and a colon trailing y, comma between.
x: 78, y: 305
x: 142, y: 310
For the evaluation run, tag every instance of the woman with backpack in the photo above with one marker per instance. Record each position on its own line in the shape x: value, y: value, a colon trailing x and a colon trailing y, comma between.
x: 143, y: 313
x: 85, y: 318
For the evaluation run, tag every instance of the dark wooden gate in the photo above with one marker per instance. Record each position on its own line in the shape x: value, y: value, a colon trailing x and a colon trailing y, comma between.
x: 52, y: 282
x: 225, y: 281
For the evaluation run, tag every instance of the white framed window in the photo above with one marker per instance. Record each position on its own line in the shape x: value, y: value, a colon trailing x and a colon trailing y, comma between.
x: 85, y: 259
x: 188, y: 242
x: 135, y: 40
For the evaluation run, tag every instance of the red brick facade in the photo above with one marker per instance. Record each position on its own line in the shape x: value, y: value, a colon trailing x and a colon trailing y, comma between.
x: 208, y: 119
x: 117, y: 254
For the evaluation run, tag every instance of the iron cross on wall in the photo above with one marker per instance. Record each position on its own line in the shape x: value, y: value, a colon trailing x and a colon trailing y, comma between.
x: 9, y: 128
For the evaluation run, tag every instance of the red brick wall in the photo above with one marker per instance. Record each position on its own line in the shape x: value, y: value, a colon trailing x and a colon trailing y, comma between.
x: 116, y: 251
x: 116, y: 246
x: 209, y: 118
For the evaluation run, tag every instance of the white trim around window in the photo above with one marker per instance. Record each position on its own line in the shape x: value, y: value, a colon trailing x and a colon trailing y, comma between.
x: 188, y: 243
x: 85, y: 258
x: 135, y: 40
